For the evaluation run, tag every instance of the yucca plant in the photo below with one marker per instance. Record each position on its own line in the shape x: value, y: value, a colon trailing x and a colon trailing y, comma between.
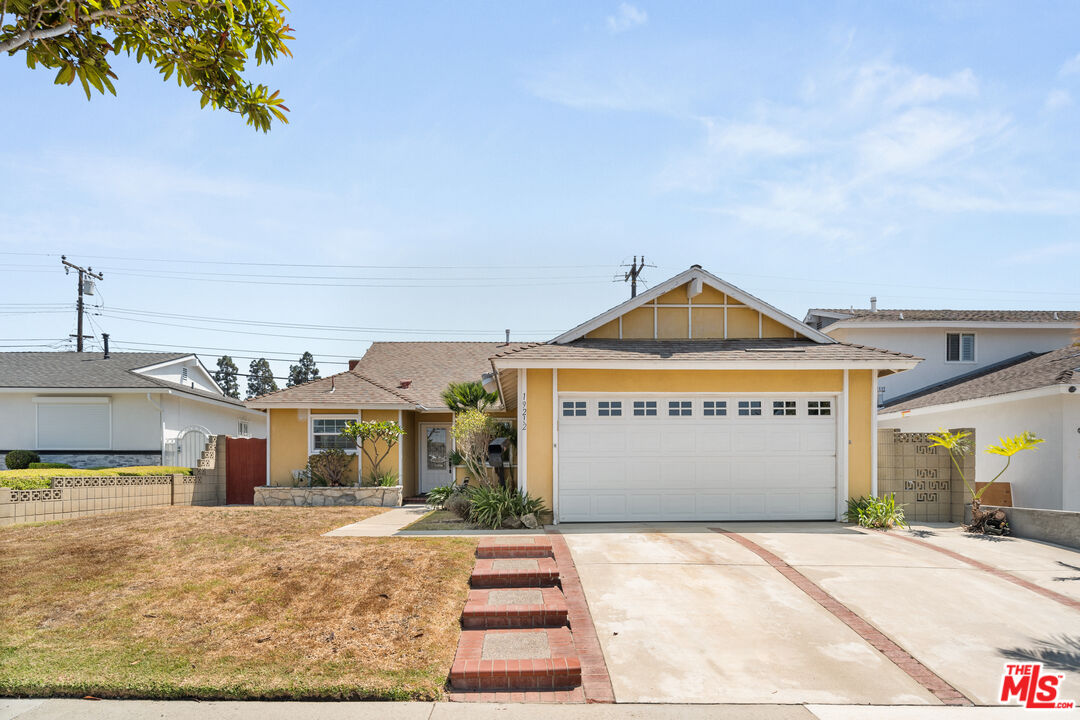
x: 874, y: 512
x: 437, y: 497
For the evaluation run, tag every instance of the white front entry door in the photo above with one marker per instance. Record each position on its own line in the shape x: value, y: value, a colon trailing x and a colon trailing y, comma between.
x: 435, y: 448
x: 696, y: 457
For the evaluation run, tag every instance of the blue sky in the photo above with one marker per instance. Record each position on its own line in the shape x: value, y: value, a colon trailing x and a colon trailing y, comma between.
x: 489, y: 165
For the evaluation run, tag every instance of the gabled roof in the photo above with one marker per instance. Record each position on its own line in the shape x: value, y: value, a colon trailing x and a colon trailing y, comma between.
x: 1025, y: 372
x: 695, y: 273
x: 381, y: 375
x: 914, y: 317
x: 92, y: 371
x: 779, y: 352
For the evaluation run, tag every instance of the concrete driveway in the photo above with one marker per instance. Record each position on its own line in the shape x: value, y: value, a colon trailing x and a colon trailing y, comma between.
x: 685, y: 614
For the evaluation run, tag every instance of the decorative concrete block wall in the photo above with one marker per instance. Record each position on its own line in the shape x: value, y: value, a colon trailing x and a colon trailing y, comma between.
x: 922, y: 476
x: 321, y: 496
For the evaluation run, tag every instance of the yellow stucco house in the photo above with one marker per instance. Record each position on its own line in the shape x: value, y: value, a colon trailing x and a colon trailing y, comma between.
x: 692, y: 401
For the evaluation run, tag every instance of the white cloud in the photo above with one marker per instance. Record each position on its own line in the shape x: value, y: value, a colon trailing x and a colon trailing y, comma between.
x: 751, y: 139
x: 920, y: 137
x: 897, y: 86
x: 627, y: 17
x: 1070, y: 66
x: 1057, y: 99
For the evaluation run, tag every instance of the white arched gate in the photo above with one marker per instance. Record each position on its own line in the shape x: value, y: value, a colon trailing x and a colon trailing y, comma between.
x: 190, y: 445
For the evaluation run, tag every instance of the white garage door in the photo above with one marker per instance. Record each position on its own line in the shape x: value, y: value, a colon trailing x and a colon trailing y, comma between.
x: 700, y: 457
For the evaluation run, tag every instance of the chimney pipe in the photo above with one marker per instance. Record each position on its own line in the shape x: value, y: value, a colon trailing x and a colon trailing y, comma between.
x: 873, y: 304
x: 353, y: 364
x: 105, y: 338
x: 507, y: 336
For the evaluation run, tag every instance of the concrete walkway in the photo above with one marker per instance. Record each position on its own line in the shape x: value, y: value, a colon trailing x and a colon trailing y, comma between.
x: 186, y: 710
x: 382, y: 525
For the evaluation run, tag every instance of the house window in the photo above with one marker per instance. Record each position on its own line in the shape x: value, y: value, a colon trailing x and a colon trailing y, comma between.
x: 819, y: 408
x: 644, y: 408
x: 609, y: 408
x: 715, y: 408
x: 960, y: 347
x: 783, y: 408
x: 679, y: 408
x: 326, y: 434
x: 573, y: 408
x: 242, y: 428
x: 749, y: 407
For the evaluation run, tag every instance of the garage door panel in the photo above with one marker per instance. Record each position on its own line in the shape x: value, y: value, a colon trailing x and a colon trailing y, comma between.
x: 696, y: 466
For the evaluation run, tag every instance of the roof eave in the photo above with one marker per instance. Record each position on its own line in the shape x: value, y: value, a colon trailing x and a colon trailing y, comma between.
x: 1012, y: 396
x: 896, y: 365
x: 335, y: 404
x: 1002, y: 325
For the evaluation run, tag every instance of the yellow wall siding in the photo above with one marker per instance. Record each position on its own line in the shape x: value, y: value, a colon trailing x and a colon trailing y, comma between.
x: 409, y: 470
x: 289, y: 443
x: 608, y: 331
x: 708, y: 323
x: 860, y: 469
x: 742, y: 323
x: 673, y: 323
x: 772, y: 329
x: 638, y: 323
x: 710, y: 295
x: 674, y: 297
x: 390, y: 462
x: 539, y: 450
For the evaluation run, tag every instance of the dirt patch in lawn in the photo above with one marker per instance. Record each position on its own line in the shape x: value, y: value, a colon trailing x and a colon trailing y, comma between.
x: 228, y: 603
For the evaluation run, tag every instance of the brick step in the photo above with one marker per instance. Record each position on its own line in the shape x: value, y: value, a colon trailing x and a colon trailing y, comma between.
x: 514, y: 573
x: 523, y: 660
x: 514, y: 546
x: 514, y: 608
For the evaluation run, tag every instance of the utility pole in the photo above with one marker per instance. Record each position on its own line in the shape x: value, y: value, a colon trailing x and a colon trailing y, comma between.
x: 633, y: 272
x: 84, y: 285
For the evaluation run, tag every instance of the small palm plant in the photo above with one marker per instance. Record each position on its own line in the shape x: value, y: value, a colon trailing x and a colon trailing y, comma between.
x: 959, y: 444
x: 462, y: 396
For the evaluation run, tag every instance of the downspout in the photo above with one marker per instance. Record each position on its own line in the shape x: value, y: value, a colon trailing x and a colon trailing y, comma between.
x: 161, y: 420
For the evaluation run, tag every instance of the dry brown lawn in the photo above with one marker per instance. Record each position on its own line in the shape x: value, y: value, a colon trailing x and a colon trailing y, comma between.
x: 227, y: 603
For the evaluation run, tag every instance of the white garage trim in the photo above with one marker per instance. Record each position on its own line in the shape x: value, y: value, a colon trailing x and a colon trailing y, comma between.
x: 555, y: 444
x: 843, y: 444
x: 523, y: 429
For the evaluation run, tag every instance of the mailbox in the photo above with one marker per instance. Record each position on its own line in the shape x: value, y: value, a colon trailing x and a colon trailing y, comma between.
x: 496, y: 448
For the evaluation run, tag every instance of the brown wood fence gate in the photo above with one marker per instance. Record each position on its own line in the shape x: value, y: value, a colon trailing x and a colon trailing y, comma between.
x: 245, y: 467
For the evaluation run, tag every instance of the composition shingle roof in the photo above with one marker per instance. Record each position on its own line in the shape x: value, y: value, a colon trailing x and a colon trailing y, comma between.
x: 769, y: 349
x: 76, y: 370
x: 378, y: 378
x: 1026, y: 372
x: 859, y: 315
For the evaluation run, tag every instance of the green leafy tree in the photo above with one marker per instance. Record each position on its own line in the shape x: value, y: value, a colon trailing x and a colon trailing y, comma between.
x: 226, y: 374
x: 206, y: 44
x: 306, y: 371
x: 375, y: 439
x: 472, y: 431
x: 260, y: 378
x: 462, y: 396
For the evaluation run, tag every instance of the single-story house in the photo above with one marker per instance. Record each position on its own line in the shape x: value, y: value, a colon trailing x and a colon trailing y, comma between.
x: 692, y: 401
x: 1036, y: 392
x: 94, y: 409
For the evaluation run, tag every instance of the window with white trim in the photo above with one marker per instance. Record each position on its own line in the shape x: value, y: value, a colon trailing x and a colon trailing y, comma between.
x: 680, y: 408
x: 609, y: 408
x: 242, y: 428
x: 574, y: 408
x: 644, y: 408
x: 959, y: 347
x: 749, y: 407
x: 819, y: 408
x: 326, y: 434
x: 783, y: 408
x: 714, y: 408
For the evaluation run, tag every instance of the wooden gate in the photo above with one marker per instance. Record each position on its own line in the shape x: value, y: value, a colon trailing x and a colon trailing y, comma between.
x: 245, y: 467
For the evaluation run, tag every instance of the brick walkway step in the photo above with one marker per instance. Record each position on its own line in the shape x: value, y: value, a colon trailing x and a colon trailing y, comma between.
x: 514, y: 546
x: 514, y: 573
x: 515, y: 608
x: 522, y: 660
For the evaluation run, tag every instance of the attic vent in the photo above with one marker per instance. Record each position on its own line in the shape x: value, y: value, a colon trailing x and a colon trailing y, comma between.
x: 404, y: 384
x: 183, y: 374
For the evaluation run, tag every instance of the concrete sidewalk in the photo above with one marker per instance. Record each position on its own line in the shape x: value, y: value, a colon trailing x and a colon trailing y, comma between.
x: 188, y: 710
x: 382, y: 525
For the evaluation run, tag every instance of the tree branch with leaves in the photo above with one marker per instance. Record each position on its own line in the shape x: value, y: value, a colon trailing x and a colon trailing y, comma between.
x: 206, y: 44
x: 375, y: 439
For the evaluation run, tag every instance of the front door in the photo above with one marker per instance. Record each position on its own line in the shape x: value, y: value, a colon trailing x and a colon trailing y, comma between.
x: 435, y: 447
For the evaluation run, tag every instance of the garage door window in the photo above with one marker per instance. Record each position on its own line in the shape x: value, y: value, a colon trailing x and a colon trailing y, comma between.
x: 644, y: 408
x: 680, y: 408
x: 783, y: 408
x: 609, y: 408
x: 819, y: 408
x: 715, y: 408
x: 573, y: 408
x: 749, y: 407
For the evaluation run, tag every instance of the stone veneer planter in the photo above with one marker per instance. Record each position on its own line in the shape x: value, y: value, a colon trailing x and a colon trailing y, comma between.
x: 320, y: 496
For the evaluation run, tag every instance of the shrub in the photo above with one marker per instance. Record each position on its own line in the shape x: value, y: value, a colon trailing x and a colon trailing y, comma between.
x: 329, y: 467
x: 458, y: 503
x: 382, y: 478
x: 437, y: 497
x: 492, y: 506
x: 21, y: 459
x: 48, y: 465
x: 871, y: 512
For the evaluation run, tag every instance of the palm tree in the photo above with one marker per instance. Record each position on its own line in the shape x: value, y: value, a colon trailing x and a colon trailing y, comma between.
x: 462, y: 396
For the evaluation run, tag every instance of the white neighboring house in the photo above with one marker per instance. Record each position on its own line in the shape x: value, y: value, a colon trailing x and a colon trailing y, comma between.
x: 90, y: 409
x: 1037, y: 393
x: 952, y: 343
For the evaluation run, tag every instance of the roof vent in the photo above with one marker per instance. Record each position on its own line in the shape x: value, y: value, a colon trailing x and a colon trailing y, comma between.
x: 1056, y: 315
x: 901, y: 314
x: 873, y: 304
x: 353, y: 364
x: 404, y: 384
x: 695, y: 267
x: 331, y: 383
